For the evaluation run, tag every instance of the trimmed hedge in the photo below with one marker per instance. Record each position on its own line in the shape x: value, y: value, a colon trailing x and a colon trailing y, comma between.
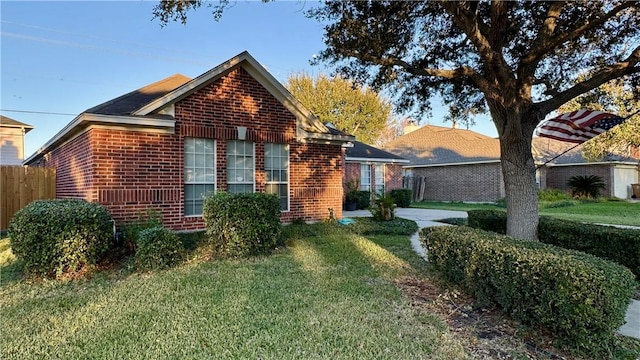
x: 157, y: 248
x: 363, y: 199
x: 580, y: 298
x: 58, y: 236
x: 616, y: 244
x: 243, y: 224
x: 370, y: 226
x: 401, y: 197
x: 608, y: 242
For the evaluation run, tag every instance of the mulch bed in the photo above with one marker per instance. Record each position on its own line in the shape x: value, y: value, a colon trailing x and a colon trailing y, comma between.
x: 486, y: 333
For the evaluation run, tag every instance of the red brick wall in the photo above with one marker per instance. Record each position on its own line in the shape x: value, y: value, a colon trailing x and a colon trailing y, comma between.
x: 393, y: 176
x: 74, y: 168
x: 352, y: 172
x: 131, y: 171
x: 478, y: 182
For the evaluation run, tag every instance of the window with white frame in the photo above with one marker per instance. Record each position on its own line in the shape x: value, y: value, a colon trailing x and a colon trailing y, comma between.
x: 378, y: 171
x: 199, y: 173
x: 240, y: 167
x: 276, y: 166
x: 365, y: 177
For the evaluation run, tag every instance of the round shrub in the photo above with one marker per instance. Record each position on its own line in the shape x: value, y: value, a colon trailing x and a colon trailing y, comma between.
x: 243, y: 224
x: 157, y: 248
x: 402, y: 197
x: 53, y: 237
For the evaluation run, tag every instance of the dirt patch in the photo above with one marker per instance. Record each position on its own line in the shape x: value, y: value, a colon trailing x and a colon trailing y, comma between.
x: 486, y: 333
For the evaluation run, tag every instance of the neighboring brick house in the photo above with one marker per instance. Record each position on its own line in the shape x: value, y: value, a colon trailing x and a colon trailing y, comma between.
x: 449, y: 164
x: 618, y: 172
x: 12, y: 140
x: 234, y: 128
x: 375, y: 170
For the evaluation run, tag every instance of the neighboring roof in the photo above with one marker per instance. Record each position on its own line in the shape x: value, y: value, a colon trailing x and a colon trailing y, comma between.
x: 128, y: 103
x: 545, y: 149
x: 152, y: 106
x: 437, y: 145
x: 11, y: 123
x: 361, y: 152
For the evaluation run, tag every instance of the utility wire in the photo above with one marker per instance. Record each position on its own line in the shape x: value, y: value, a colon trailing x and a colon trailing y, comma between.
x: 181, y: 51
x: 98, y: 48
x: 37, y: 112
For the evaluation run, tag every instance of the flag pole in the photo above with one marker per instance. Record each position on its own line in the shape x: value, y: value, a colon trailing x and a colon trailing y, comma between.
x: 578, y: 144
x: 557, y: 156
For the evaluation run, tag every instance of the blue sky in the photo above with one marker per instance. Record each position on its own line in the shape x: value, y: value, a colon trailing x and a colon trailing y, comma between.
x: 65, y: 57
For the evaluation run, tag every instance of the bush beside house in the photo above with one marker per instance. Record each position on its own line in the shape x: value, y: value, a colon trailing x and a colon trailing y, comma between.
x: 54, y: 237
x: 243, y: 224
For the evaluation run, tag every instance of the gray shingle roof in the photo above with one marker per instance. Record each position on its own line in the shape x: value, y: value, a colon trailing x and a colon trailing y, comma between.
x: 128, y: 103
x: 364, y: 151
x: 433, y: 145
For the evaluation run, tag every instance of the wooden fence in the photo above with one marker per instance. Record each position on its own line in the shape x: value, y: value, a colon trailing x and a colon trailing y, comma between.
x: 20, y: 185
x: 417, y: 184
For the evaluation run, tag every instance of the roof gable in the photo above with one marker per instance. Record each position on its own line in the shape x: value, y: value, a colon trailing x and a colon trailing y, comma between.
x: 8, y: 122
x: 308, y: 124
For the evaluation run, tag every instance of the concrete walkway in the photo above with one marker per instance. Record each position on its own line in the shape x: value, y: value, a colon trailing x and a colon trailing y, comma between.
x: 427, y: 217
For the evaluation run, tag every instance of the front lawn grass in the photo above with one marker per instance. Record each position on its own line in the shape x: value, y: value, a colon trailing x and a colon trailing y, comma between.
x: 329, y: 294
x: 599, y: 212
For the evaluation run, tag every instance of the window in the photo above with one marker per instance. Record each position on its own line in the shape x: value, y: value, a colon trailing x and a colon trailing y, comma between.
x: 240, y: 167
x: 199, y: 173
x: 365, y: 177
x: 276, y: 166
x: 379, y: 178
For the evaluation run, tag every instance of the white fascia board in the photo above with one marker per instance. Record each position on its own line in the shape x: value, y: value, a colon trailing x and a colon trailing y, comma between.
x: 84, y: 120
x: 455, y: 164
x: 376, y: 160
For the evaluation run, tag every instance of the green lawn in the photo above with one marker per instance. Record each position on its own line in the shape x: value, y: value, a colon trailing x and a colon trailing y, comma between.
x: 605, y: 212
x: 329, y: 294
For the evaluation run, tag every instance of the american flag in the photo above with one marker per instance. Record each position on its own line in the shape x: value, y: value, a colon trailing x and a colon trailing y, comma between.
x: 578, y: 126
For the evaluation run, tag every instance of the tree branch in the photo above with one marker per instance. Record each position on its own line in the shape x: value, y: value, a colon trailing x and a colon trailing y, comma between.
x: 457, y: 73
x: 545, y: 42
x: 481, y: 37
x: 475, y: 30
x: 625, y: 67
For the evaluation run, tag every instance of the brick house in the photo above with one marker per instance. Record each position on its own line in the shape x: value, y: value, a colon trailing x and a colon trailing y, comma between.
x: 234, y: 128
x: 375, y: 170
x: 450, y: 164
x: 617, y: 171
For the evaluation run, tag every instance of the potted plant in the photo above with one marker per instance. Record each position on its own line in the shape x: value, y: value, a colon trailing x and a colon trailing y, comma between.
x: 351, y: 194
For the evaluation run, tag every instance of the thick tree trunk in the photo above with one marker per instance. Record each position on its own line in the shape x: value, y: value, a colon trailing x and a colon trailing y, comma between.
x: 519, y: 174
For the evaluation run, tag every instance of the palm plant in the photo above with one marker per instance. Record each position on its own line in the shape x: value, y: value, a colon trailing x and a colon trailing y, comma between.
x: 586, y: 186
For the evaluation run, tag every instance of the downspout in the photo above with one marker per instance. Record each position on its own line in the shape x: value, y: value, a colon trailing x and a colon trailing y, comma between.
x: 23, y: 133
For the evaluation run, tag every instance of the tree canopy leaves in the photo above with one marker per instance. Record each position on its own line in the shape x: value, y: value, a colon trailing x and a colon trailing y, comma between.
x: 617, y: 98
x: 356, y: 110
